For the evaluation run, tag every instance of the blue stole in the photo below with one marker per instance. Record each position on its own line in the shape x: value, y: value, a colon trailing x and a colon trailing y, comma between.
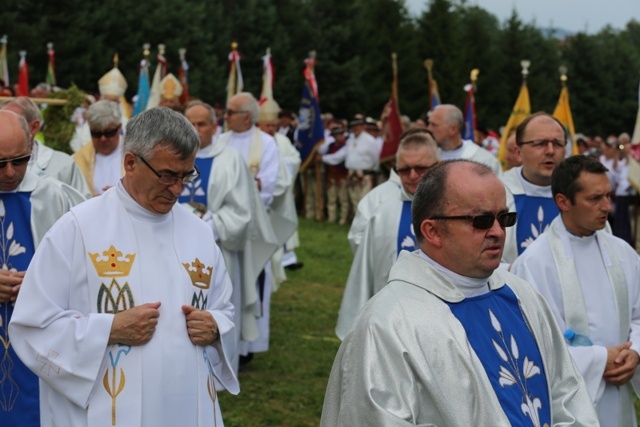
x: 197, y: 190
x: 406, y: 236
x: 499, y: 336
x: 19, y: 390
x: 534, y: 216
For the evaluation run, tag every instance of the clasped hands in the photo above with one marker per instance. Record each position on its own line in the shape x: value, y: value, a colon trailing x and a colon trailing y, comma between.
x: 137, y: 325
x: 622, y: 362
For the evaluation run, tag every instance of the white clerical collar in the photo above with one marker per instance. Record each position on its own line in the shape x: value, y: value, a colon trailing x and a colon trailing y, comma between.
x: 577, y: 239
x: 469, y: 286
x: 135, y: 209
x: 246, y: 134
x: 208, y: 150
x: 531, y: 189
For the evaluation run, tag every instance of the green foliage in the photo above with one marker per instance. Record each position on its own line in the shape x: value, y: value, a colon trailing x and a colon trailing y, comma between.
x: 58, y: 129
x: 353, y: 41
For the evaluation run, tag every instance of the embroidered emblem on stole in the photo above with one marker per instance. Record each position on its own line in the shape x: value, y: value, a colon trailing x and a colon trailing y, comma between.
x: 200, y: 276
x: 112, y: 299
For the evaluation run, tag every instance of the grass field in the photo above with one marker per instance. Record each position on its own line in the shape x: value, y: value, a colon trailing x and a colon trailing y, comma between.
x: 285, y: 386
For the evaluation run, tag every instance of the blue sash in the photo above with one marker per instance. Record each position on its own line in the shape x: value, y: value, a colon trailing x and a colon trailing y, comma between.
x: 19, y: 391
x: 499, y: 336
x: 406, y: 236
x: 197, y: 190
x: 534, y: 216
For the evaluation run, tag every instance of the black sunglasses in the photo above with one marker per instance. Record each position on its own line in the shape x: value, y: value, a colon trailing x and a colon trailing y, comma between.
x: 420, y: 170
x: 106, y: 133
x: 485, y: 221
x: 16, y: 161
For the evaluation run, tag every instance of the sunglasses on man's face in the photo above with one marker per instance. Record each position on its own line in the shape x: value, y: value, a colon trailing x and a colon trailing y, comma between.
x: 109, y: 133
x: 16, y: 161
x: 485, y: 221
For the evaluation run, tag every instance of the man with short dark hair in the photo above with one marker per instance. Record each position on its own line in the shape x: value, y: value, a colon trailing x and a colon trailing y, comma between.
x: 590, y: 279
x: 452, y: 340
x: 125, y: 312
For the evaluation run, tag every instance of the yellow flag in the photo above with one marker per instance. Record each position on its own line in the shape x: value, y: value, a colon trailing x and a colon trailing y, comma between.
x: 521, y: 110
x: 563, y: 114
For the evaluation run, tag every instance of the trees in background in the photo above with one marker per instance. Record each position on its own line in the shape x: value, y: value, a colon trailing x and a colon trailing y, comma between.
x: 353, y: 40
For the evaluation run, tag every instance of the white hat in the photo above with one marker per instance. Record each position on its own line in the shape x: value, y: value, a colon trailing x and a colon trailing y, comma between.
x: 268, y: 110
x: 112, y: 83
x: 170, y: 87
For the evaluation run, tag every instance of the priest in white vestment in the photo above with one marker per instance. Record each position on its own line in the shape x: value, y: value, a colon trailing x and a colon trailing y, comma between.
x: 540, y: 141
x: 389, y: 231
x: 452, y: 340
x: 125, y: 312
x: 45, y: 160
x: 226, y: 197
x: 29, y: 206
x: 591, y: 280
x: 446, y: 123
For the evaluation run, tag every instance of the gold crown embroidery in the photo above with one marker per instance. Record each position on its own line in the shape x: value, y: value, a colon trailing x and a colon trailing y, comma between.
x: 112, y: 263
x: 199, y: 273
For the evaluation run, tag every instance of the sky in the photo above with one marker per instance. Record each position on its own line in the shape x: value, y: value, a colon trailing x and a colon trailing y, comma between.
x: 588, y: 16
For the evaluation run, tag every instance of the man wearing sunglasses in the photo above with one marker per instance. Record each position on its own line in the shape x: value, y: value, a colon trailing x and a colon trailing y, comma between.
x: 29, y: 205
x: 125, y: 313
x: 45, y: 160
x: 591, y: 280
x: 101, y: 160
x: 388, y: 231
x: 452, y: 340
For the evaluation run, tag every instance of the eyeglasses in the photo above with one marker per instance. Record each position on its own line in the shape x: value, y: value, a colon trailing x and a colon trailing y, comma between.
x: 106, y: 133
x: 16, y: 161
x: 420, y: 170
x: 230, y: 112
x: 167, y: 178
x: 485, y: 221
x: 542, y: 143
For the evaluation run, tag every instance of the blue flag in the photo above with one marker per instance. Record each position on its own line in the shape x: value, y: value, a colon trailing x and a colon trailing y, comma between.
x: 310, y: 127
x: 469, y: 116
x: 143, y: 89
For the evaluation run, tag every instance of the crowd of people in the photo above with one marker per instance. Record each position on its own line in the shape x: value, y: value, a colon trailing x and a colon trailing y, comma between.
x: 515, y: 289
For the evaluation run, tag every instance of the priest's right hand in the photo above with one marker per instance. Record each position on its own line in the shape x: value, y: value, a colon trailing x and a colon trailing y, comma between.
x: 10, y: 282
x: 136, y: 325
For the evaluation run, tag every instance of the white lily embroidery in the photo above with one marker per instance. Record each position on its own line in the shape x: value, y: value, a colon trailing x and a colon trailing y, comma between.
x: 16, y: 249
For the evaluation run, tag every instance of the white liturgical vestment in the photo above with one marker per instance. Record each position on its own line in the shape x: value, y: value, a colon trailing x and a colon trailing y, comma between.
x: 107, y: 255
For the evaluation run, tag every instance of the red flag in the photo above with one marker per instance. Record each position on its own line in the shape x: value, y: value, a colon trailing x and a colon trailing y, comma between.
x: 392, y: 125
x: 23, y: 75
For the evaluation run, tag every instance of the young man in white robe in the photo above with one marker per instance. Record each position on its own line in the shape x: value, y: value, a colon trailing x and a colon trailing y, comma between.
x: 446, y: 124
x: 452, y: 340
x: 45, y: 160
x: 29, y: 206
x: 226, y: 197
x: 591, y: 280
x: 540, y: 141
x: 389, y: 231
x: 125, y: 311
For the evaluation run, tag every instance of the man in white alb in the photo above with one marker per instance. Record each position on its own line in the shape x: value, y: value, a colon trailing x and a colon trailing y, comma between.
x: 125, y: 311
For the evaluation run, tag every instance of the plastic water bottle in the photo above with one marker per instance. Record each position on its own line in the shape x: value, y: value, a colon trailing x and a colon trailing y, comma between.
x: 577, y: 340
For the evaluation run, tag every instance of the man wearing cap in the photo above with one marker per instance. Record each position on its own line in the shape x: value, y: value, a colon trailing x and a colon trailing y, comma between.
x: 29, y: 205
x: 337, y: 193
x: 101, y: 160
x: 388, y: 231
x: 45, y: 160
x: 170, y: 91
x: 226, y: 197
x: 446, y: 124
x: 361, y: 158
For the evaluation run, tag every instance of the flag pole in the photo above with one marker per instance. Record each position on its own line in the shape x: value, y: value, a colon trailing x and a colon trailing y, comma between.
x: 311, y: 64
x: 428, y: 64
